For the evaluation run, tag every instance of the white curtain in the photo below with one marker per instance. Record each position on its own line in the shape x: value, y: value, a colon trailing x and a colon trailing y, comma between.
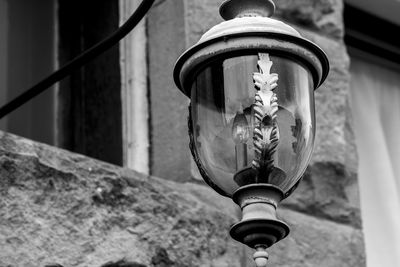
x: 375, y: 101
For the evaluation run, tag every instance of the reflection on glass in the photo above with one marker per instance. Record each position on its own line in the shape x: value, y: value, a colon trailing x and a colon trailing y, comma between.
x: 223, y: 120
x: 240, y: 135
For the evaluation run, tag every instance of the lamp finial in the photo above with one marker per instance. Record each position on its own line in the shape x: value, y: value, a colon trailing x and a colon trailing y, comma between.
x: 261, y: 256
x: 231, y: 9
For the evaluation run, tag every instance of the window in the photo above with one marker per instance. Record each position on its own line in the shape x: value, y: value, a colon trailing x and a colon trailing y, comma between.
x: 101, y: 109
x: 375, y: 102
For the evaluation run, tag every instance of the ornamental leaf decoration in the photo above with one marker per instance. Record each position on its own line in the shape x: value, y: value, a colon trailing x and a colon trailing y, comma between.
x: 266, y: 132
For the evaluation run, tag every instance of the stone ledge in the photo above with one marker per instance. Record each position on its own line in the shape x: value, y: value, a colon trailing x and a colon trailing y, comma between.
x: 63, y: 208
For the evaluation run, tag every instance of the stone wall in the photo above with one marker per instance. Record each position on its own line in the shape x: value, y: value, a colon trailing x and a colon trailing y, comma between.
x: 327, y: 200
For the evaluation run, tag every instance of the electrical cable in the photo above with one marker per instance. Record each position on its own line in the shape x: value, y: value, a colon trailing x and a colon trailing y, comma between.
x: 80, y: 60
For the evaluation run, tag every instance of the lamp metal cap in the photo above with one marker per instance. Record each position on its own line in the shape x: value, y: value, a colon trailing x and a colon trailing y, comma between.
x: 238, y: 8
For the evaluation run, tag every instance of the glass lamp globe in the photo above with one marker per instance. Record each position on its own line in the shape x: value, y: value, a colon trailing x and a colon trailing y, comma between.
x: 253, y: 121
x: 251, y: 81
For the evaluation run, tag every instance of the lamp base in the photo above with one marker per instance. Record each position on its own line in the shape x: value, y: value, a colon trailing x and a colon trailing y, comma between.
x: 259, y: 232
x: 259, y: 226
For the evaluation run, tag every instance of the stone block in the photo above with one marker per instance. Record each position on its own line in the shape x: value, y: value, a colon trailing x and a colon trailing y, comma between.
x: 334, y: 140
x: 321, y: 16
x: 327, y: 191
x: 62, y: 208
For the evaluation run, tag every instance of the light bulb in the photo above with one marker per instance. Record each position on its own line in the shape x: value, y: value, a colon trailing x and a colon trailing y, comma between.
x: 240, y: 135
x: 240, y: 129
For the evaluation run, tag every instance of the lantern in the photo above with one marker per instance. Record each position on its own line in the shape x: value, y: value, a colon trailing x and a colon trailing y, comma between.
x: 251, y: 81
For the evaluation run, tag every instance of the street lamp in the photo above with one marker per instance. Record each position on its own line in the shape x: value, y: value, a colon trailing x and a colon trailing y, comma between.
x: 251, y: 82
